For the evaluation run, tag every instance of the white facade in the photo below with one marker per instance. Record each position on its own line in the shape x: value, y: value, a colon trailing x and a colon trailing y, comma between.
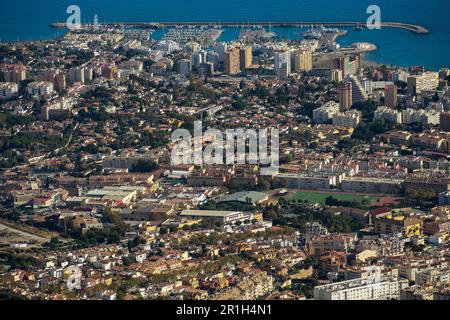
x: 349, y: 118
x: 388, y: 114
x: 128, y: 68
x: 40, y: 88
x: 335, y: 75
x: 282, y: 64
x: 220, y: 48
x: 382, y: 288
x: 358, y: 90
x: 400, y: 76
x: 315, y: 229
x: 193, y: 46
x: 305, y: 181
x: 428, y: 81
x: 168, y: 46
x: 428, y: 116
x: 326, y: 112
x: 372, y: 185
x: 8, y: 89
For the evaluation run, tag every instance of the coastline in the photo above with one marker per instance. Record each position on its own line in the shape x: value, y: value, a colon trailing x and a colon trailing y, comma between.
x: 374, y: 64
x: 344, y: 33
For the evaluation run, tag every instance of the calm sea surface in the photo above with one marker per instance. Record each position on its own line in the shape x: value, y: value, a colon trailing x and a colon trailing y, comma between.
x: 26, y: 19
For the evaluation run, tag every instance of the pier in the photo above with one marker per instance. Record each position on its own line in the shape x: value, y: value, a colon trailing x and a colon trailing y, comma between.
x: 399, y: 25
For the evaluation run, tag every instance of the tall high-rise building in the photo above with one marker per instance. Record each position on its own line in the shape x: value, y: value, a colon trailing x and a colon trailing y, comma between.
x: 76, y: 74
x: 60, y: 82
x: 184, y: 66
x: 245, y: 57
x: 198, y: 58
x: 88, y: 73
x: 282, y: 64
x: 45, y: 114
x: 344, y: 65
x: 358, y: 62
x: 221, y: 48
x: 348, y: 66
x: 445, y: 121
x: 302, y: 60
x: 80, y: 74
x: 358, y: 91
x: 345, y: 96
x: 390, y: 95
x: 232, y: 63
x: 334, y: 75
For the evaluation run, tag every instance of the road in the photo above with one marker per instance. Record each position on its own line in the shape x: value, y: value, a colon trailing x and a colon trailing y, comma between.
x: 27, y: 237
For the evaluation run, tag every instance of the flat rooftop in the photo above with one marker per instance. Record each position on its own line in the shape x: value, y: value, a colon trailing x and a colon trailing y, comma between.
x: 208, y: 213
x: 254, y: 196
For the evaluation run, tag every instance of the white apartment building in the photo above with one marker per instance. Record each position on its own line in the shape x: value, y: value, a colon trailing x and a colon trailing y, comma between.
x: 127, y: 68
x: 428, y: 116
x: 377, y: 85
x: 8, y: 89
x: 305, y: 181
x: 326, y: 112
x: 220, y: 48
x: 349, y: 118
x: 315, y: 229
x: 400, y: 76
x: 168, y: 46
x: 433, y: 276
x: 388, y: 114
x: 359, y: 92
x: 282, y: 64
x: 372, y: 288
x: 192, y: 46
x: 80, y: 74
x: 371, y: 185
x: 40, y: 88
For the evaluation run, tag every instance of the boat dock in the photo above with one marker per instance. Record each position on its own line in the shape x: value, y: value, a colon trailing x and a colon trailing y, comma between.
x: 399, y: 25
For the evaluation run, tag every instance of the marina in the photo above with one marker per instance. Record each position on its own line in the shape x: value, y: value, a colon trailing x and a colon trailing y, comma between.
x: 203, y: 35
x: 399, y: 25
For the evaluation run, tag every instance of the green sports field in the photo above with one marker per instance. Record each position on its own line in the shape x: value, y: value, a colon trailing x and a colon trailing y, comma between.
x: 317, y: 197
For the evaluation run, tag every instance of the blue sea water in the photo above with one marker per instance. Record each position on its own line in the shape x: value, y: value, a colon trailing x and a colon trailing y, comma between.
x: 26, y: 19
